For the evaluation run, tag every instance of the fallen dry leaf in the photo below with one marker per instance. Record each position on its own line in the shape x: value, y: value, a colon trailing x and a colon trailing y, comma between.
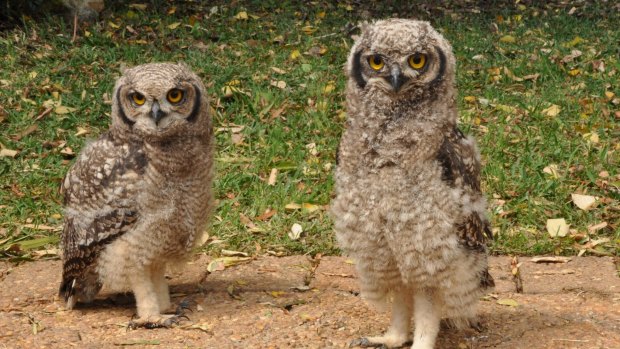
x: 273, y: 176
x: 584, y: 202
x: 4, y: 152
x: 552, y: 111
x: 81, y: 131
x: 511, y: 75
x: 278, y: 70
x: 61, y: 109
x: 279, y: 84
x: 266, y: 215
x: 174, y: 25
x: 570, y: 57
x: 295, y: 232
x: 550, y: 259
x: 557, y: 227
x: 295, y: 54
x: 507, y: 302
x: 596, y: 227
x: 339, y: 275
x: 552, y: 170
x: 509, y: 39
x: 229, y: 253
x: 42, y: 227
x: 241, y: 15
x: 221, y: 263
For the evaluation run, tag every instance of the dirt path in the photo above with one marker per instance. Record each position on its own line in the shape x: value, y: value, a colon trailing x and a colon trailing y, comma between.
x: 254, y: 305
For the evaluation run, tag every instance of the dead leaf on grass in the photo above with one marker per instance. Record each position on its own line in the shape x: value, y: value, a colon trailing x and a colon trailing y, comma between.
x: 273, y: 176
x: 279, y: 84
x: 295, y: 232
x: 242, y: 16
x: 509, y: 39
x: 552, y: 170
x: 303, y: 206
x: 596, y: 227
x: 584, y: 202
x: 61, y: 109
x: 266, y: 215
x: 81, y: 131
x: 4, y: 152
x: 557, y: 227
x: 552, y: 111
x: 570, y: 57
x: 229, y: 253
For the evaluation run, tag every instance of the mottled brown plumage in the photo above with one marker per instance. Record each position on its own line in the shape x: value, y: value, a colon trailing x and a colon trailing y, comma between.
x: 137, y: 199
x: 408, y: 204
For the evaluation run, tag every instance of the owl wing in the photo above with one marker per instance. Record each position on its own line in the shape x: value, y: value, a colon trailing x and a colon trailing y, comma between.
x: 460, y: 166
x: 99, y: 195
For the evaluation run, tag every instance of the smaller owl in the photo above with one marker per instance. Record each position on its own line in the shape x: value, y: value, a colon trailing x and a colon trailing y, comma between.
x: 137, y: 199
x: 408, y: 203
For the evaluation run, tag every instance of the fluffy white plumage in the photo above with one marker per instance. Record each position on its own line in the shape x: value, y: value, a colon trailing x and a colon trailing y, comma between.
x: 408, y: 203
x: 137, y: 199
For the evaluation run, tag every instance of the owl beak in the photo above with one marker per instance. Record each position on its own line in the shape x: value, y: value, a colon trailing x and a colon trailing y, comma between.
x: 156, y: 113
x: 397, y: 79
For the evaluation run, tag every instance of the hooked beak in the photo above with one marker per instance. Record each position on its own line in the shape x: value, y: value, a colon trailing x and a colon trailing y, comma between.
x: 156, y: 113
x: 397, y: 79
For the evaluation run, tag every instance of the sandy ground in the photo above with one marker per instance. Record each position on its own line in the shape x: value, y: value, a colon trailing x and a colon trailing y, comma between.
x: 257, y: 305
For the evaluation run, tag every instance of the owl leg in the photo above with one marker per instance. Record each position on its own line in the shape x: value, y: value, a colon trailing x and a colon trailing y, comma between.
x: 148, y: 299
x: 397, y: 334
x: 427, y: 318
x: 158, y: 277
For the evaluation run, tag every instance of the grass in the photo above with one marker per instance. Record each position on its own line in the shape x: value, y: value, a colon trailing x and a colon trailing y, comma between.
x: 511, y: 70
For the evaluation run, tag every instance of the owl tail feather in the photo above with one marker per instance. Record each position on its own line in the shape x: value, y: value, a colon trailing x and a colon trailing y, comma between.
x: 67, y: 291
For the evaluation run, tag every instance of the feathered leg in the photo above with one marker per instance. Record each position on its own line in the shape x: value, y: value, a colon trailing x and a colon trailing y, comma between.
x: 158, y: 277
x: 426, y: 317
x: 148, y: 294
x: 398, y: 333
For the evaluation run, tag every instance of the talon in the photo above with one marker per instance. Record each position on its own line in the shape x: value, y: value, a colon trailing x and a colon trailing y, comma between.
x: 185, y: 304
x: 162, y: 322
x: 365, y: 343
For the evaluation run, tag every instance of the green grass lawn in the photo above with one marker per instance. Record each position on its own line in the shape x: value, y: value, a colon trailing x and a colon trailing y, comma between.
x: 539, y: 89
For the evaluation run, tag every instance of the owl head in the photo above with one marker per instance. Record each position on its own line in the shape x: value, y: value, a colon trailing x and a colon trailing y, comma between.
x: 160, y: 100
x: 400, y: 59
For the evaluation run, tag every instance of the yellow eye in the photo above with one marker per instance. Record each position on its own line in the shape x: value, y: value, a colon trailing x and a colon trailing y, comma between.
x: 175, y: 96
x: 138, y: 98
x: 417, y: 61
x: 375, y: 62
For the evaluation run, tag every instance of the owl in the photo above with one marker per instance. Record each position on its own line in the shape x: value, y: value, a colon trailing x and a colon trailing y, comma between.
x: 137, y: 199
x: 408, y: 205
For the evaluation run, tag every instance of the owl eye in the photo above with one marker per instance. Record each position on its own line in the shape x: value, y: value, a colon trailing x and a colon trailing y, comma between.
x: 175, y: 95
x: 376, y: 62
x: 417, y: 61
x: 138, y: 98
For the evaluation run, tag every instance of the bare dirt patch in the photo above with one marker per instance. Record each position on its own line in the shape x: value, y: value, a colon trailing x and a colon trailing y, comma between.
x: 259, y: 305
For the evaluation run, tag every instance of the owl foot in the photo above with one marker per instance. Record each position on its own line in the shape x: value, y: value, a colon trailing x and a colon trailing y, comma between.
x: 184, y: 305
x: 382, y: 342
x: 161, y: 321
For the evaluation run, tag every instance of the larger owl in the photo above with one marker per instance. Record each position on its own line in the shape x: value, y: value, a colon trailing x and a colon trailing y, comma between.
x: 408, y: 203
x: 137, y: 199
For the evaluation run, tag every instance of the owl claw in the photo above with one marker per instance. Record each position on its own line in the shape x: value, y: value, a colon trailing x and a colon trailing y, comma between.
x: 185, y: 304
x: 152, y: 323
x: 367, y: 343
